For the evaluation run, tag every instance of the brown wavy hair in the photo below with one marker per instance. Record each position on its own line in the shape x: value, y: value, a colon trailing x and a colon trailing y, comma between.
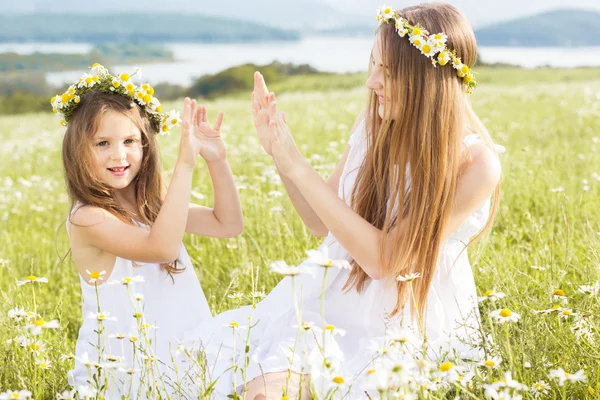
x: 82, y: 185
x: 423, y: 127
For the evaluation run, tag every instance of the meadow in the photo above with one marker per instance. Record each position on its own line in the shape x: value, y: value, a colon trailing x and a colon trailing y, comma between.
x: 543, y: 250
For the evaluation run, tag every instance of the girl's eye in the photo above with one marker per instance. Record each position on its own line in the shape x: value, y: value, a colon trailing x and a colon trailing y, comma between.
x: 129, y: 141
x: 102, y: 143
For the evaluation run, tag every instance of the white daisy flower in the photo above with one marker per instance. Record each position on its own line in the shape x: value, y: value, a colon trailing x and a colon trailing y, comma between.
x: 563, y: 376
x: 119, y: 336
x: 32, y: 279
x: 557, y: 189
x: 492, y: 362
x: 428, y: 49
x: 87, y: 80
x: 234, y: 325
x: 386, y: 12
x: 457, y: 63
x: 174, y: 118
x: 4, y: 262
x: 20, y: 314
x: 68, y: 356
x: 98, y: 69
x: 101, y: 316
x: 447, y: 372
x: 417, y: 41
x: 141, y: 97
x: 281, y: 267
x: 559, y: 295
x: 128, y: 280
x: 539, y: 388
x: 555, y: 308
x: 148, y: 326
x: 439, y: 40
x: 11, y: 394
x: 37, y: 326
x: 403, y: 336
x: 504, y: 315
x: 95, y: 275
x: 237, y: 295
x: 590, y: 289
x: 331, y: 329
x: 565, y: 313
x: 305, y: 326
x: 443, y: 57
x: 113, y: 358
x: 408, y: 277
x: 44, y: 364
x: 34, y: 346
x: 321, y: 258
x: 491, y: 295
x: 402, y: 32
x: 155, y: 105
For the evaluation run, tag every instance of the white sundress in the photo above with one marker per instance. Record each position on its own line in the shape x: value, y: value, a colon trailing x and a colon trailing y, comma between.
x: 451, y: 305
x: 170, y: 307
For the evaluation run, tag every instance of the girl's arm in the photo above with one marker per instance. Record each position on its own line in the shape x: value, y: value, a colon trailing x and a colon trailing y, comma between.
x: 225, y: 219
x: 361, y: 239
x: 94, y: 227
x: 260, y: 100
x: 307, y: 214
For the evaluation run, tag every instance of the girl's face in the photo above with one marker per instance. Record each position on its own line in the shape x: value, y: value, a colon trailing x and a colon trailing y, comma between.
x: 376, y: 80
x: 118, y: 151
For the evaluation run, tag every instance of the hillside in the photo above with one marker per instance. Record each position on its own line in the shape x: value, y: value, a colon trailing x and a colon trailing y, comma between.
x: 565, y: 28
x: 297, y: 14
x: 148, y: 28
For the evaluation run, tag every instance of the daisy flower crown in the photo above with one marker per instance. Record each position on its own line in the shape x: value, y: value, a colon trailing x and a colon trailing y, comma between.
x: 432, y: 46
x: 99, y: 79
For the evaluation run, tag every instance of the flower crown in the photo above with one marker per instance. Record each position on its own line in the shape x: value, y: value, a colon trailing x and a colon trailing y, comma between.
x: 100, y: 80
x: 429, y: 45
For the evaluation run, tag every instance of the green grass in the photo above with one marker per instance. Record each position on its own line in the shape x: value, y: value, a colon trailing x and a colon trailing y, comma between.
x: 549, y: 121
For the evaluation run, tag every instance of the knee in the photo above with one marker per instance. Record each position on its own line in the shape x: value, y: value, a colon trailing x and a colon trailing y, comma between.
x: 260, y: 396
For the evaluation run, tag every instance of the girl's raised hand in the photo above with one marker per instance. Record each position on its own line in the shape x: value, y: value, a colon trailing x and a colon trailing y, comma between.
x: 284, y: 151
x: 260, y: 102
x: 188, y: 147
x: 209, y: 139
x: 198, y: 137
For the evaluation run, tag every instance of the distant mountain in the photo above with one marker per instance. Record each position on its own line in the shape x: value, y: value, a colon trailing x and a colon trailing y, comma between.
x: 297, y: 14
x: 561, y: 28
x: 564, y: 28
x: 137, y: 28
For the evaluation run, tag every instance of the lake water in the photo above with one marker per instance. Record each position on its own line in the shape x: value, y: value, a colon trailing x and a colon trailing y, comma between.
x: 324, y: 53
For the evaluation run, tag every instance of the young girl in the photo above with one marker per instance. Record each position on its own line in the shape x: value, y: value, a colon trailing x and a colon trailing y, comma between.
x: 413, y: 188
x: 140, y: 292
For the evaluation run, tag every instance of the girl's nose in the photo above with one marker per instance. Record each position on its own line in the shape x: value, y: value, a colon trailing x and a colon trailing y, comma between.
x: 119, y: 152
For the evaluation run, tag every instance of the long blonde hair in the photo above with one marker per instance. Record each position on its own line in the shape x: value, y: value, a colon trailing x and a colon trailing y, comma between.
x: 82, y: 185
x: 423, y: 128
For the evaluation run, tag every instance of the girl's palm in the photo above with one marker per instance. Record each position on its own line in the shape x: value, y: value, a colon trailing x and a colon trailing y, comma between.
x: 206, y: 138
x: 260, y: 101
